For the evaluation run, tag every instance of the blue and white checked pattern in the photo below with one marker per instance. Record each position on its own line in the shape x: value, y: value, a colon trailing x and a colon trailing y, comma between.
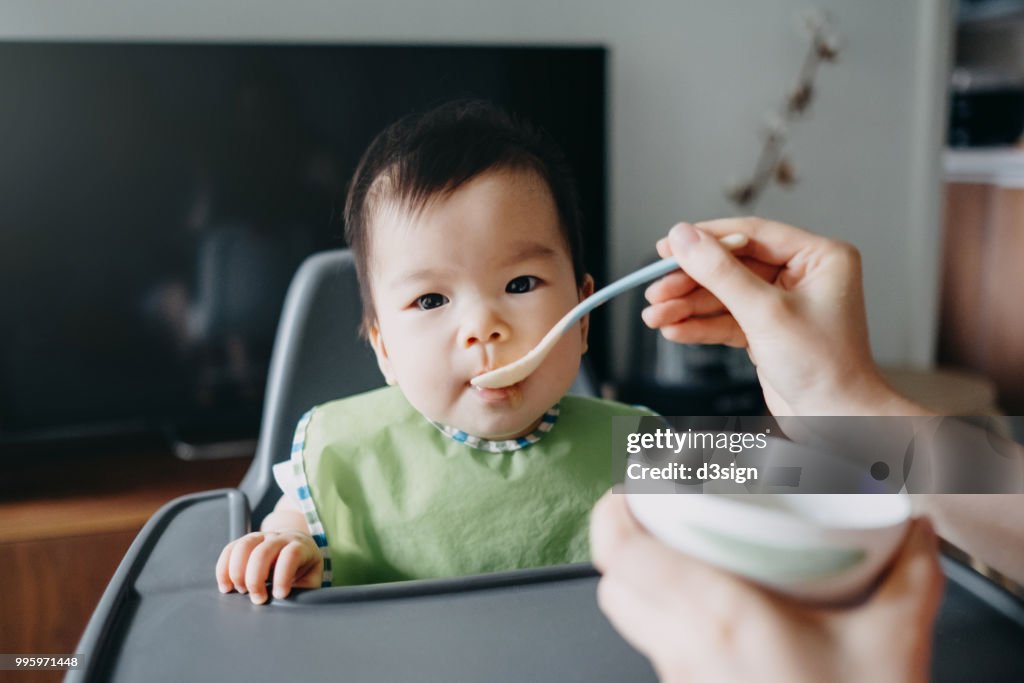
x: 546, y: 423
x: 305, y: 500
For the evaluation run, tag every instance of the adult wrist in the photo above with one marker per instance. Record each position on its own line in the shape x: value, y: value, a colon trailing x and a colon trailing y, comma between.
x: 866, y: 393
x: 878, y: 397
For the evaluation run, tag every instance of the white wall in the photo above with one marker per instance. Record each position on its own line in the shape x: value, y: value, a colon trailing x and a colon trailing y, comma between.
x: 691, y: 82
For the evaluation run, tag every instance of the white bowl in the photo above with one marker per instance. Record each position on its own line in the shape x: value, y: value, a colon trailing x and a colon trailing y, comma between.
x: 823, y: 548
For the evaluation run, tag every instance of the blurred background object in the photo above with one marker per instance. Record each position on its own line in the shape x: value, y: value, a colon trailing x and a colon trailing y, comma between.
x: 987, y: 82
x: 158, y: 198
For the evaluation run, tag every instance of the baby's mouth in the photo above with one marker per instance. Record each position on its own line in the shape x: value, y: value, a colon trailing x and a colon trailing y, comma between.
x: 511, y: 395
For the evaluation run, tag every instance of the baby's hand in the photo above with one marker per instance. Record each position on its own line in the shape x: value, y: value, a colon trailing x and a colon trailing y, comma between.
x: 245, y: 564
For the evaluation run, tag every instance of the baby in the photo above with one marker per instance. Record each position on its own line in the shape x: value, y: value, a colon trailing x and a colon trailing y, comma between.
x: 465, y: 232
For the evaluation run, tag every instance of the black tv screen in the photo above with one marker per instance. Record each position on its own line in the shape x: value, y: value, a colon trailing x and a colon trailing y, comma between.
x: 155, y: 200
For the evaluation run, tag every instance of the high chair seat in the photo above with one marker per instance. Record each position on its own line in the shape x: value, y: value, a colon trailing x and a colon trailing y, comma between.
x: 161, y: 617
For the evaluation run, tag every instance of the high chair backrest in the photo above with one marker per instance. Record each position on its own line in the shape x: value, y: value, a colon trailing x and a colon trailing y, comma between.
x: 318, y: 356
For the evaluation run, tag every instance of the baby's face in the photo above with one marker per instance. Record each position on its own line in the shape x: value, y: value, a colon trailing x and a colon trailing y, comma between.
x: 471, y: 283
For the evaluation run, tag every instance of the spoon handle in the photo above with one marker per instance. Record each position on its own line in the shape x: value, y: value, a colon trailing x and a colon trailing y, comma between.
x: 637, y: 277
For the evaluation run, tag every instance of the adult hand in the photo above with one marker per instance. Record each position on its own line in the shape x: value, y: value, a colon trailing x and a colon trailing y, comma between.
x: 698, y: 623
x: 793, y: 299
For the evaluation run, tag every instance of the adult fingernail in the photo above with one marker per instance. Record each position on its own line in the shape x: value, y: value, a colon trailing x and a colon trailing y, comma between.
x: 653, y: 293
x: 258, y: 599
x: 222, y: 588
x: 684, y: 234
x: 280, y: 594
x: 645, y: 315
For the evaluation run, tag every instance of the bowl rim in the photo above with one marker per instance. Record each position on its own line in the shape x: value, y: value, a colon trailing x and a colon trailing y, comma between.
x: 714, y: 507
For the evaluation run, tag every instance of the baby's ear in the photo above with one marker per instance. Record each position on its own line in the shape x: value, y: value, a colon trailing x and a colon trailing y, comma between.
x: 585, y: 290
x: 381, y: 351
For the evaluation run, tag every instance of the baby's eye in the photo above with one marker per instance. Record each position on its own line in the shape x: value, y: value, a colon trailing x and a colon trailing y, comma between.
x: 432, y: 300
x: 522, y: 284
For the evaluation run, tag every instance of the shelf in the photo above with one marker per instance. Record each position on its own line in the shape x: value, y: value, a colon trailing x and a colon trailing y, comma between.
x: 61, y: 498
x: 1002, y: 166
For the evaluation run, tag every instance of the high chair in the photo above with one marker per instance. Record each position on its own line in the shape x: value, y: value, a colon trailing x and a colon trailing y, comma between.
x: 162, y: 617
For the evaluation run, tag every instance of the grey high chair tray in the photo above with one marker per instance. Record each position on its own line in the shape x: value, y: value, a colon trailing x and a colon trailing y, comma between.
x: 162, y: 619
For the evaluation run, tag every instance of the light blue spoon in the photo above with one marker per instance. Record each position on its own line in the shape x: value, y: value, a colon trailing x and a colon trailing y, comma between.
x: 508, y: 375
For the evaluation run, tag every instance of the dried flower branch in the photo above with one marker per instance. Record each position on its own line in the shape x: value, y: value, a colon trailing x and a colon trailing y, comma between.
x: 770, y: 164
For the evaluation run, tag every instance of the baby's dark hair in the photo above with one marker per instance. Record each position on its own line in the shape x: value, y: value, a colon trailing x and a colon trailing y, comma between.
x: 436, y: 152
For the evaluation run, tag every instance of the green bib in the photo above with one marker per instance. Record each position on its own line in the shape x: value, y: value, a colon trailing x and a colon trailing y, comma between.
x: 398, y: 499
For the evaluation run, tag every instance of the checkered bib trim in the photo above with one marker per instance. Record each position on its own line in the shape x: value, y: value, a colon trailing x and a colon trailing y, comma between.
x: 306, y: 500
x: 546, y: 423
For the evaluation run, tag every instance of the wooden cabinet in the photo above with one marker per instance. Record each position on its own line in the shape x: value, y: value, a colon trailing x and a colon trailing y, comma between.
x: 65, y: 523
x: 982, y: 302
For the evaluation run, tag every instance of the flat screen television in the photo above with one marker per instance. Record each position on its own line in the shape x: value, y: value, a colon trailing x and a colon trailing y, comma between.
x: 129, y: 171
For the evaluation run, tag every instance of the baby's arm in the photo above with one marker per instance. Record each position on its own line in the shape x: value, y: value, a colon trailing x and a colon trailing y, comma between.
x: 283, y: 545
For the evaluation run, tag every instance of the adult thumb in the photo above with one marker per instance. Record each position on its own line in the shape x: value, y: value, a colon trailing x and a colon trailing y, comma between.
x: 916, y: 575
x: 704, y: 259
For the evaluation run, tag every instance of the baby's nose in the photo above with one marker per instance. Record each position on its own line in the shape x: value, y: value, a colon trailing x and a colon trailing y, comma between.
x: 485, y: 327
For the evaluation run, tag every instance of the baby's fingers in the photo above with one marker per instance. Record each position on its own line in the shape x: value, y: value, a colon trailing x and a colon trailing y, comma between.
x: 223, y: 578
x: 293, y: 564
x: 240, y: 551
x: 258, y: 569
